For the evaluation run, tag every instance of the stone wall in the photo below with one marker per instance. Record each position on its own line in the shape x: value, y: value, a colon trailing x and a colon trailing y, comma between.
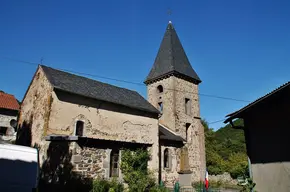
x: 195, y: 133
x: 45, y: 111
x: 166, y: 97
x: 224, y: 178
x: 90, y: 162
x: 170, y: 175
x: 35, y: 111
x: 5, y: 120
x: 175, y: 90
x: 10, y: 135
x: 103, y: 121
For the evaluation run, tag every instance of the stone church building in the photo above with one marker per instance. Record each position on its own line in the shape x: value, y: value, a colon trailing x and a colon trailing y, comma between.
x: 92, y: 121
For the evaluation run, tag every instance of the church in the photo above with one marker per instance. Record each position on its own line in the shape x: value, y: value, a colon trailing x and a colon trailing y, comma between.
x: 92, y: 121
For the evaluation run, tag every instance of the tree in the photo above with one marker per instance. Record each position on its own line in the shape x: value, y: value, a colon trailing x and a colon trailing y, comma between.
x: 225, y: 149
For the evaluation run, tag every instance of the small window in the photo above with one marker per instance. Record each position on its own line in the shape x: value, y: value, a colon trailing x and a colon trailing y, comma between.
x: 3, y: 130
x: 160, y: 89
x: 187, y: 106
x: 166, y: 158
x: 79, y: 128
x: 160, y: 107
x: 187, y: 125
x: 114, y: 163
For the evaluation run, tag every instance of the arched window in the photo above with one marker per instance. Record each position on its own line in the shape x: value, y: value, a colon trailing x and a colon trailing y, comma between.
x: 166, y: 158
x: 79, y: 128
x: 160, y: 89
x: 114, y: 163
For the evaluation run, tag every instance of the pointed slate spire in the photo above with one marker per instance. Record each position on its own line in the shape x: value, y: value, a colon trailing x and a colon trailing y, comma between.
x: 171, y: 59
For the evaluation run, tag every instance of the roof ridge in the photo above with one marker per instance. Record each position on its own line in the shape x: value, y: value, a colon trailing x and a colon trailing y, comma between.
x: 260, y: 99
x: 87, y: 87
x: 3, y: 93
x: 71, y: 73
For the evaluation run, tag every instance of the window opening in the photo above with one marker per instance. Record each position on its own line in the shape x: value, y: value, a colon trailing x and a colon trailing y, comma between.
x: 79, y: 128
x: 114, y: 163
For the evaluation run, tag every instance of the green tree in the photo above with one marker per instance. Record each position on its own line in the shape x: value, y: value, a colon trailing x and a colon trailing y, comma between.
x: 225, y: 149
x: 237, y: 164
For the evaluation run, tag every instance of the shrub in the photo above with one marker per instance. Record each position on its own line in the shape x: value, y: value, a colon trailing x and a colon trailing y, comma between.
x: 157, y: 188
x: 249, y: 187
x: 134, y: 169
x: 102, y: 185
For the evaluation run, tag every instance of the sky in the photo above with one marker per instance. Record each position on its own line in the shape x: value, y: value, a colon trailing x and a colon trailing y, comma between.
x: 240, y: 49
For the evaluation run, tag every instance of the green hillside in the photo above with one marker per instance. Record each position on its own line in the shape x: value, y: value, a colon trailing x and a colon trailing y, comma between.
x: 225, y: 150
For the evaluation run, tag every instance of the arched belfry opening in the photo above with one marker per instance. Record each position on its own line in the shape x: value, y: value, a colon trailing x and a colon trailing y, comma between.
x: 160, y: 89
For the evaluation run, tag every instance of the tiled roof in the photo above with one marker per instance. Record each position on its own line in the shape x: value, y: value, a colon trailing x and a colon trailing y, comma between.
x: 171, y: 59
x: 236, y: 113
x: 97, y: 90
x: 8, y: 101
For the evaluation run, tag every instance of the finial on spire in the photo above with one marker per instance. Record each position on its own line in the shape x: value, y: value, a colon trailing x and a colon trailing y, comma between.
x: 170, y: 22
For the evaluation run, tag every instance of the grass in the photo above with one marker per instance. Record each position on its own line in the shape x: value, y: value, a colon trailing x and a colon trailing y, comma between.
x: 216, y: 185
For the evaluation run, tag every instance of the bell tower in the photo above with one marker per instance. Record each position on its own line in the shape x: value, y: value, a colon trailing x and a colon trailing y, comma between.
x: 172, y: 87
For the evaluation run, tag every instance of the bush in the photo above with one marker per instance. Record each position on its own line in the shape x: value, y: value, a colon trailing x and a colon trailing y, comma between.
x: 134, y: 169
x: 102, y: 185
x: 157, y: 188
x: 249, y: 187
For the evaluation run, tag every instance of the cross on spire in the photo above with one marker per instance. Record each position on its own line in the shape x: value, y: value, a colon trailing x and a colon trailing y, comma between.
x: 169, y: 13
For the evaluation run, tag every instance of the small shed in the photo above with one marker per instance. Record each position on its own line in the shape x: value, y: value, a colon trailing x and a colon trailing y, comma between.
x: 267, y: 134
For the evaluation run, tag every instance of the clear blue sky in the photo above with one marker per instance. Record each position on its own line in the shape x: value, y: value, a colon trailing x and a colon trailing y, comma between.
x: 240, y: 49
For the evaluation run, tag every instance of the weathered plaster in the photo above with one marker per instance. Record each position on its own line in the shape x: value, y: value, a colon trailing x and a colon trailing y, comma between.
x: 47, y: 112
x: 103, y: 123
x: 35, y: 110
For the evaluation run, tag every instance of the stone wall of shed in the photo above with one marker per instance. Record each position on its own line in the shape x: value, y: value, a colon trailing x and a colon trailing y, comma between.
x: 5, y: 120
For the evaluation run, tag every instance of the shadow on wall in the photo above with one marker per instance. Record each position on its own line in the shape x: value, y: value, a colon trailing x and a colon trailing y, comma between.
x: 24, y: 134
x: 267, y: 130
x: 57, y: 171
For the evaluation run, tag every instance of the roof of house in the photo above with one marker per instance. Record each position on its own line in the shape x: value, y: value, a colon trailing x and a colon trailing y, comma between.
x: 8, y: 101
x: 96, y: 90
x: 247, y: 107
x: 171, y: 59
